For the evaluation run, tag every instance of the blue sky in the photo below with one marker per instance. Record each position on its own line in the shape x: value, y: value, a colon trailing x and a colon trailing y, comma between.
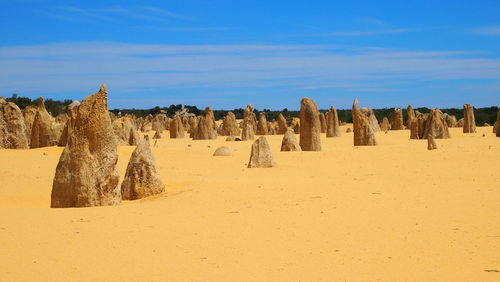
x: 269, y: 53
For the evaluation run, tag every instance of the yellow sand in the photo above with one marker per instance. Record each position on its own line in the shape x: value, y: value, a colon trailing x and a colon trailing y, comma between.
x: 391, y: 212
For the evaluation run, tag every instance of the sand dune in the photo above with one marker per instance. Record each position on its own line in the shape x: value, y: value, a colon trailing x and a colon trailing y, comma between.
x: 389, y: 212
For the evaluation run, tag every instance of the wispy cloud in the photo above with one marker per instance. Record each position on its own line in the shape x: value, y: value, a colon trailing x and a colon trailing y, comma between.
x: 490, y: 31
x: 113, y: 13
x: 367, y: 32
x: 75, y: 66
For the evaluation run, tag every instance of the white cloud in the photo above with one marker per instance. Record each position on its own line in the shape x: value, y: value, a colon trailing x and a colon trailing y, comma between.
x: 490, y: 31
x: 71, y: 67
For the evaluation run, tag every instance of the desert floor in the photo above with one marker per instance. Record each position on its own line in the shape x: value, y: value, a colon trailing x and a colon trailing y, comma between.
x: 391, y: 212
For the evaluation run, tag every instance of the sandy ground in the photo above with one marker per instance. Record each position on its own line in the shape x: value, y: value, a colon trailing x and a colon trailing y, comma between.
x: 394, y: 212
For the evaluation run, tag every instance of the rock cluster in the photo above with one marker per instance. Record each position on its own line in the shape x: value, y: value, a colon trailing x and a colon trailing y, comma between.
x: 125, y: 131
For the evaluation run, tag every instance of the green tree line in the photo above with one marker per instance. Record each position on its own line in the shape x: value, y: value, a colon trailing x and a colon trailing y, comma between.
x: 55, y: 107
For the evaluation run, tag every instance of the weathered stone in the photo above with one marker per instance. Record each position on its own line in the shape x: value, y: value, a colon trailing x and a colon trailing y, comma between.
x: 12, y: 126
x: 229, y: 126
x: 397, y: 119
x: 249, y: 115
x: 363, y: 132
x: 496, y: 126
x: 384, y: 125
x: 124, y: 127
x: 223, y: 151
x: 157, y: 135
x: 310, y: 127
x: 262, y: 125
x: 45, y: 131
x: 410, y: 115
x: 193, y: 125
x: 322, y: 122
x: 70, y: 123
x: 206, y: 127
x: 451, y: 120
x: 289, y: 142
x: 142, y: 178
x: 435, y: 123
x: 176, y: 128
x: 332, y: 123
x: 372, y: 119
x: 247, y: 132
x: 261, y: 155
x: 431, y: 143
x: 87, y: 173
x: 296, y: 125
x: 469, y: 119
x: 272, y: 127
x: 29, y: 114
x: 282, y: 125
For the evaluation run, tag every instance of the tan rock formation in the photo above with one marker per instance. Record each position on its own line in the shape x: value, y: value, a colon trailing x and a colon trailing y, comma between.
x: 435, y: 123
x: 124, y: 127
x: 496, y: 126
x: 410, y: 115
x: 247, y: 132
x: 384, y: 125
x: 262, y: 125
x: 310, y: 127
x: 176, y: 128
x: 363, y: 132
x: 45, y: 131
x: 142, y: 177
x: 229, y: 126
x: 289, y: 142
x: 206, y: 127
x: 87, y: 174
x: 157, y: 135
x: 70, y: 123
x: 322, y: 122
x: 451, y: 120
x: 222, y: 151
x: 282, y: 125
x: 332, y: 123
x: 469, y: 119
x: 12, y: 126
x: 250, y: 116
x: 29, y: 114
x: 431, y: 143
x: 397, y: 119
x: 261, y: 155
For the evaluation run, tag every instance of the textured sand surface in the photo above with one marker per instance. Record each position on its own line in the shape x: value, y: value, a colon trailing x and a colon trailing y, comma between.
x: 392, y: 212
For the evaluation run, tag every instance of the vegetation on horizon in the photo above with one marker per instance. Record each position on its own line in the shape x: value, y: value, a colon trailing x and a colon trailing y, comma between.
x: 56, y: 107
